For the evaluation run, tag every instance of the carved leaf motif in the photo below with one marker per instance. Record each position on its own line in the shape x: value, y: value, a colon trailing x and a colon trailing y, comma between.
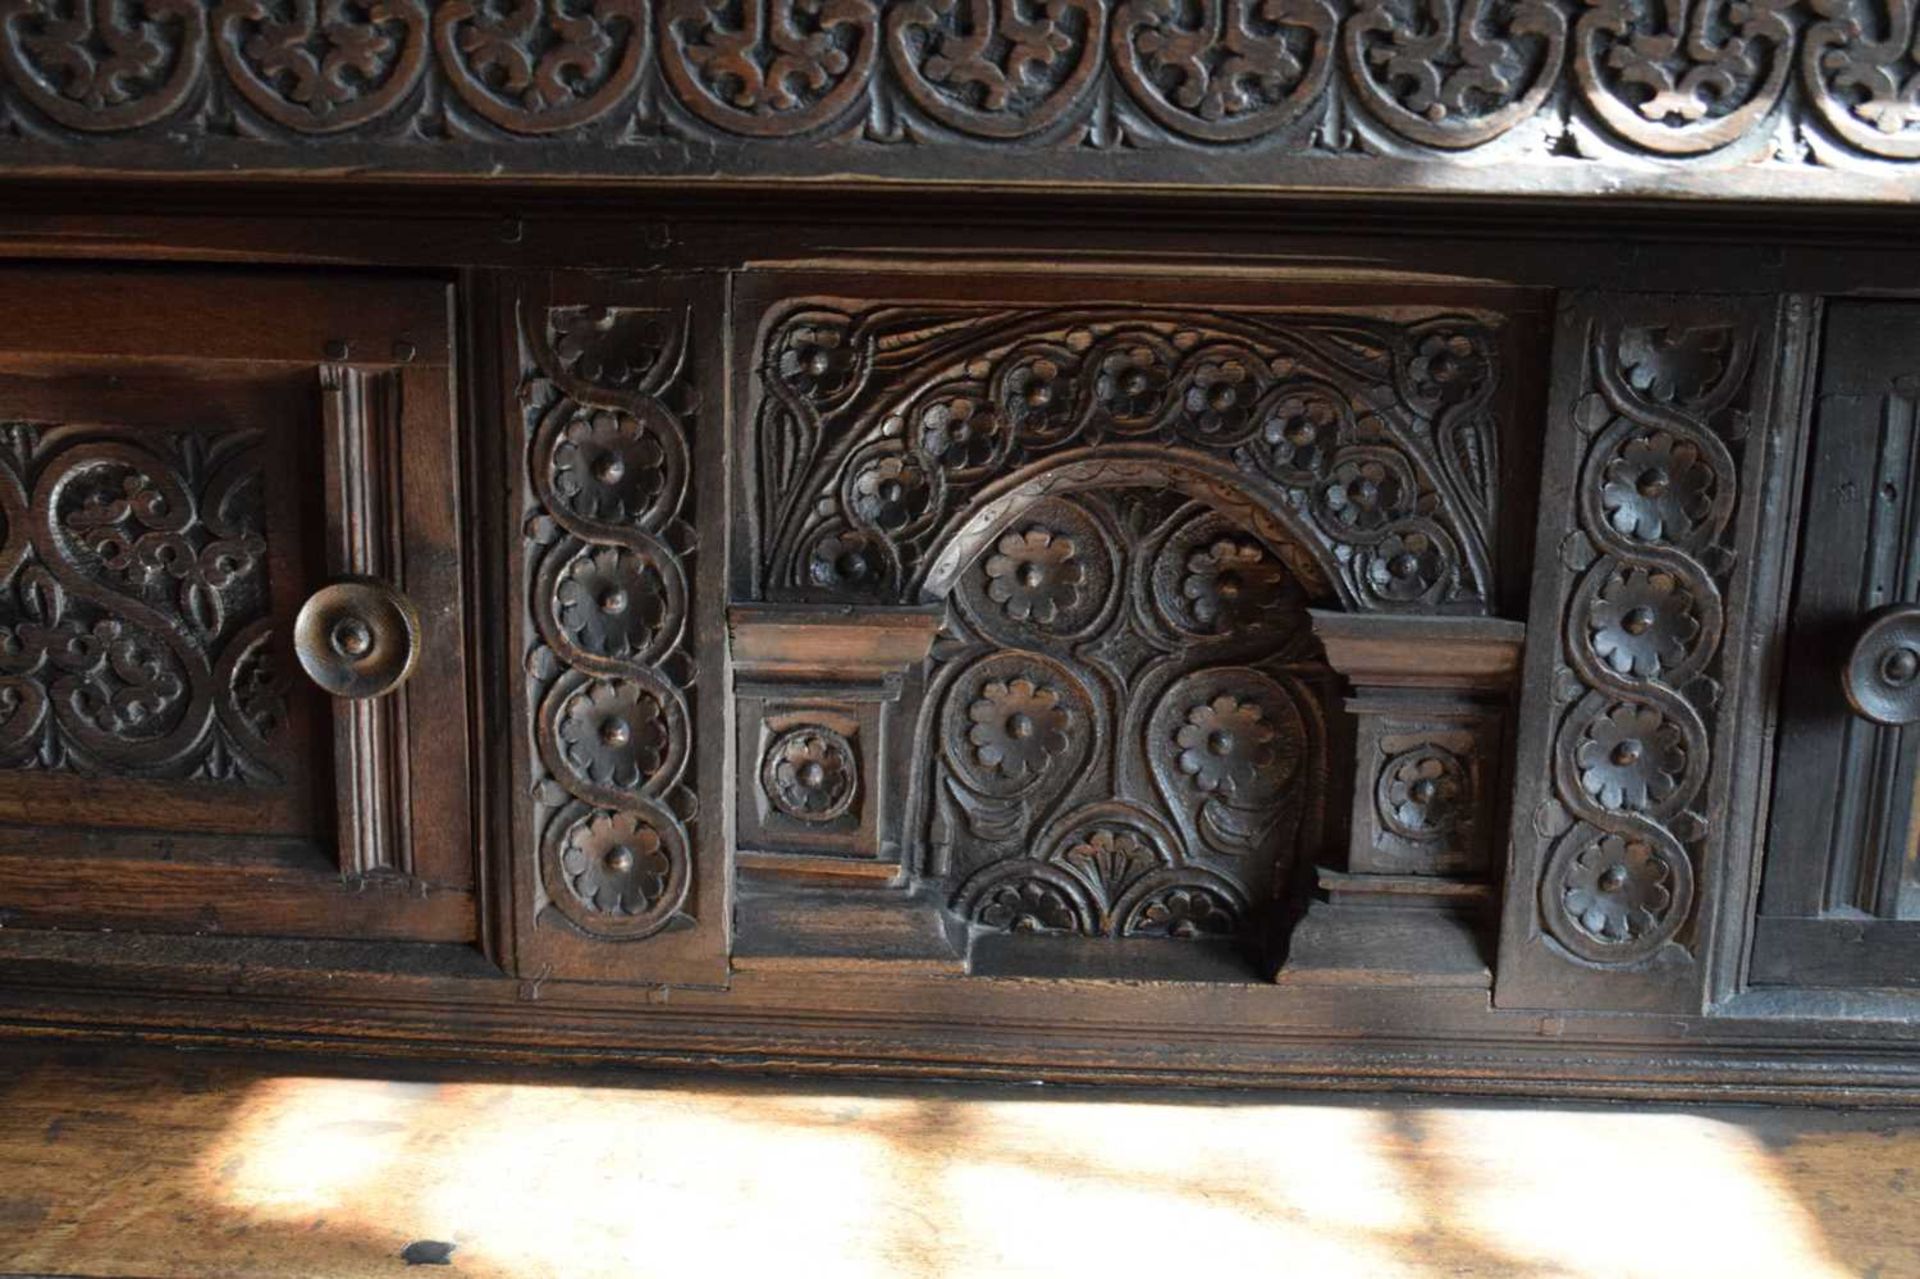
x: 997, y: 68
x: 1455, y: 73
x: 1680, y: 77
x: 1861, y: 68
x: 541, y: 66
x: 1225, y: 70
x: 103, y: 67
x: 322, y: 66
x: 768, y: 68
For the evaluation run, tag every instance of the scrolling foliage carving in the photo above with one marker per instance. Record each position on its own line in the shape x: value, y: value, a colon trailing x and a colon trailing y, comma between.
x: 135, y: 627
x: 609, y: 530
x: 1664, y: 427
x: 1362, y: 450
x: 1555, y: 83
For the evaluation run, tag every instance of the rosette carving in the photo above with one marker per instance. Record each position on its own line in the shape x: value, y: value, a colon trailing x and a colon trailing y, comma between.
x: 610, y: 539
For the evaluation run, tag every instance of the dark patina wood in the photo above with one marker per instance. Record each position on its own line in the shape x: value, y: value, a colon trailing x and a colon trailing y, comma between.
x: 975, y: 630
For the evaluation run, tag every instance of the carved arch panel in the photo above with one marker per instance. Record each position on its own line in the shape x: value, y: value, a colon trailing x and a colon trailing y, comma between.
x: 1110, y: 520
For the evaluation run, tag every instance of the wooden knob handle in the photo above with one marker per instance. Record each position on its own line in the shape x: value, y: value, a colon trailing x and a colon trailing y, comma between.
x: 357, y: 639
x: 1883, y: 670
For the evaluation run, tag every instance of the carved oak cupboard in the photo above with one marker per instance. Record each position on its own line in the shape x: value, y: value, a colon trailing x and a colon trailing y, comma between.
x: 969, y: 539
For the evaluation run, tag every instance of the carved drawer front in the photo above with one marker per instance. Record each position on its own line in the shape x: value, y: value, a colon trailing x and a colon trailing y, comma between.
x: 1021, y: 602
x: 185, y: 460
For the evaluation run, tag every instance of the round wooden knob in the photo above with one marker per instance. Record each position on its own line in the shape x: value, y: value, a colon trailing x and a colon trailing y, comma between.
x: 357, y: 639
x: 1883, y: 671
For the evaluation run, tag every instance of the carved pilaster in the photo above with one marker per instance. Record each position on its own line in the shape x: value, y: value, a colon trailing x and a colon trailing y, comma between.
x: 1663, y: 461
x: 820, y: 738
x: 620, y: 700
x: 1430, y: 700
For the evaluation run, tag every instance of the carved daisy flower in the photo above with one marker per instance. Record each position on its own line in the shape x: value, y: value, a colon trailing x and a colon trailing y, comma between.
x: 1643, y: 622
x: 811, y: 775
x: 1225, y: 745
x: 610, y: 602
x: 1018, y: 727
x: 1632, y: 757
x: 891, y: 492
x: 1618, y: 889
x: 816, y: 360
x: 850, y: 562
x: 1363, y: 494
x: 614, y: 863
x: 1034, y: 575
x: 1230, y: 584
x: 613, y: 732
x: 1658, y: 488
x: 1301, y: 432
x: 606, y: 467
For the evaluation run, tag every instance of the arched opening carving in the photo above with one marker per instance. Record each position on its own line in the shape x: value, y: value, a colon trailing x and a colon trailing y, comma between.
x: 1123, y: 731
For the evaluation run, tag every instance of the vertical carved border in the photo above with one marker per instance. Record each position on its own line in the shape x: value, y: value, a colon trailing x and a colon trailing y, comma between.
x: 1668, y: 418
x: 612, y: 686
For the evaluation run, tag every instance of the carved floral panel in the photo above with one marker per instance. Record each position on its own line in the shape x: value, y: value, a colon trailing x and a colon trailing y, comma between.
x: 1124, y: 512
x: 1123, y: 730
x: 1631, y: 88
x: 1663, y: 437
x: 135, y: 619
x: 1362, y: 450
x: 609, y: 532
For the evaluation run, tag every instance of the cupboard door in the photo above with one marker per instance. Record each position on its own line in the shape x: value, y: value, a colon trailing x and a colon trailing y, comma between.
x: 194, y: 467
x: 1840, y: 901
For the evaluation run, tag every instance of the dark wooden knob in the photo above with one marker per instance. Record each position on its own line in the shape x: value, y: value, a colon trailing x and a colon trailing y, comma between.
x: 1883, y: 671
x: 357, y: 638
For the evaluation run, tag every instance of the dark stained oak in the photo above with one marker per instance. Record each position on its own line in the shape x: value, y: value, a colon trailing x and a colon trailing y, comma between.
x: 1129, y: 636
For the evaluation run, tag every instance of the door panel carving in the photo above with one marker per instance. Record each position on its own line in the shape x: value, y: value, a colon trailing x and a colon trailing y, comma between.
x: 185, y: 458
x: 135, y: 640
